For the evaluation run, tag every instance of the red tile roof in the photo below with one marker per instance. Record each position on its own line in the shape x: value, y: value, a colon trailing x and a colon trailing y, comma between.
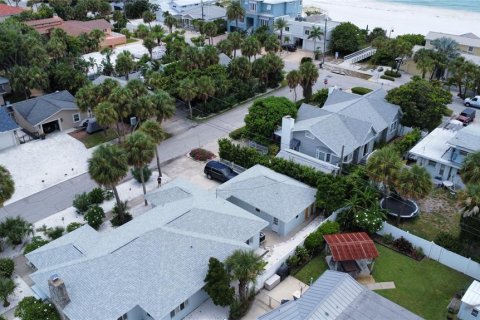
x: 6, y: 10
x: 351, y: 246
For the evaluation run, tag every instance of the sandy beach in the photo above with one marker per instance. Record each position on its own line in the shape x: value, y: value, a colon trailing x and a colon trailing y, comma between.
x: 401, y: 18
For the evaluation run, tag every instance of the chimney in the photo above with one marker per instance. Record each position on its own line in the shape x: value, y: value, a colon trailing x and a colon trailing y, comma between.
x: 287, y: 127
x: 58, y: 291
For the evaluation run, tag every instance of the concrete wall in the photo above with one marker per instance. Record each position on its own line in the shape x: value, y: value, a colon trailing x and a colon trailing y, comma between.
x: 465, y: 312
x: 449, y: 172
x: 298, y: 220
x: 193, y: 303
x: 7, y: 139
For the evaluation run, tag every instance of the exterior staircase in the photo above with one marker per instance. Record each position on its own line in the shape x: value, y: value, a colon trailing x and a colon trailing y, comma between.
x: 360, y: 55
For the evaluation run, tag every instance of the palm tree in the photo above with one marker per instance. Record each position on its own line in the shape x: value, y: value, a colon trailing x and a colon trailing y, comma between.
x: 210, y: 56
x: 186, y: 91
x: 210, y: 30
x: 7, y: 287
x: 157, y: 32
x: 414, y: 183
x: 280, y: 24
x: 157, y: 135
x: 470, y: 171
x: 235, y: 11
x: 205, y: 87
x: 272, y: 44
x: 163, y: 104
x: 293, y: 78
x: 108, y: 166
x: 15, y: 229
x: 424, y: 61
x: 240, y: 68
x: 148, y: 17
x: 121, y: 99
x: 149, y: 43
x: 236, y: 40
x: 309, y: 75
x: 225, y: 46
x: 250, y: 47
x: 170, y: 21
x: 469, y: 200
x: 244, y: 266
x: 140, y: 152
x: 315, y: 34
x: 383, y: 167
x: 260, y: 70
x: 125, y: 64
x: 446, y: 50
x: 105, y: 115
x: 7, y: 185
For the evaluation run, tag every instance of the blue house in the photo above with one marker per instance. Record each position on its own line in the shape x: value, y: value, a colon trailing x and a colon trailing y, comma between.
x: 263, y: 13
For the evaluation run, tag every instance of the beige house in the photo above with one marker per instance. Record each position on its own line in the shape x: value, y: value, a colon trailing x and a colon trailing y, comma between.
x: 468, y: 47
x: 49, y: 113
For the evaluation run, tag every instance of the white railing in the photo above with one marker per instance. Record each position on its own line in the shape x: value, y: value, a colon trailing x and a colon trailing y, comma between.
x: 360, y: 55
x: 435, y: 252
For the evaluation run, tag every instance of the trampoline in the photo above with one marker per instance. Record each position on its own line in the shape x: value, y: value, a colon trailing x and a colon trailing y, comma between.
x: 397, y: 206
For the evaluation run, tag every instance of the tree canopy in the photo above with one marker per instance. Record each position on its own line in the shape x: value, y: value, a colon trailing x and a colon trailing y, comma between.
x: 346, y: 38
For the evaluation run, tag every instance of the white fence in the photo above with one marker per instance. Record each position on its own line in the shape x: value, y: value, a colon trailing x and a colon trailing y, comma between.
x: 436, y: 252
x: 271, y: 269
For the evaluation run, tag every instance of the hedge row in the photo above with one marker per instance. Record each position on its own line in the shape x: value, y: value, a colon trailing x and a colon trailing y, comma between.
x: 391, y: 73
x: 387, y: 78
x: 361, y: 90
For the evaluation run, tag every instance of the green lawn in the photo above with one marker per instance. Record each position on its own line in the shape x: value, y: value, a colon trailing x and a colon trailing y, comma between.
x: 313, y: 269
x: 92, y: 140
x: 424, y: 287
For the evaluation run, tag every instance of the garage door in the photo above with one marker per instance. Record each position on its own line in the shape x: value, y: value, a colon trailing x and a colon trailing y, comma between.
x: 6, y: 140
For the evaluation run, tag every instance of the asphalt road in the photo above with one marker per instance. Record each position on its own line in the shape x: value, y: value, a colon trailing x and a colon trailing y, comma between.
x: 187, y: 135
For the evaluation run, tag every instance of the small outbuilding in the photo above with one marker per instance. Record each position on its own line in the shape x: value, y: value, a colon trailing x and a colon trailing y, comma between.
x: 49, y: 113
x: 8, y: 130
x: 470, y: 306
x: 352, y: 253
x: 283, y: 202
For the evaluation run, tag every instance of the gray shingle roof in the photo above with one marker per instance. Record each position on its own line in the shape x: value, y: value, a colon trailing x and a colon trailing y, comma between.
x: 372, y: 108
x: 336, y: 295
x: 101, y: 79
x: 38, y: 109
x: 6, y: 122
x: 467, y: 138
x: 155, y: 261
x: 270, y: 192
x: 334, y: 130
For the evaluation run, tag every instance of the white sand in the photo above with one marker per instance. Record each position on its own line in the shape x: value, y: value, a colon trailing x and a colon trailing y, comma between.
x: 402, y: 18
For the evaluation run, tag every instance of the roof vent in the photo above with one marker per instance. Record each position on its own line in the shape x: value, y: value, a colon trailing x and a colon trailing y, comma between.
x: 54, y: 277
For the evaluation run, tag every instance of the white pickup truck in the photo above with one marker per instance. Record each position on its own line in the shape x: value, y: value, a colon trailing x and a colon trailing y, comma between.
x: 472, y: 102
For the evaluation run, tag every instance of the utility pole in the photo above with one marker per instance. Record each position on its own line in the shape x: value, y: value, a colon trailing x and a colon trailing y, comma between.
x: 203, y: 18
x: 324, y: 41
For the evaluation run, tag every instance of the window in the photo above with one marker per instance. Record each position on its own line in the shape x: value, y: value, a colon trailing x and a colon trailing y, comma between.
x: 296, y: 217
x: 264, y: 22
x: 307, y: 32
x: 327, y: 157
x: 393, y: 126
x: 269, y: 7
x: 287, y: 28
x: 253, y: 6
x: 256, y: 209
x: 177, y: 310
x: 442, y: 170
x: 431, y: 163
x: 475, y: 312
x: 463, y: 153
x: 320, y: 155
x: 124, y: 317
x: 76, y: 117
x: 365, y: 149
x: 275, y: 221
x: 470, y: 49
x: 309, y: 135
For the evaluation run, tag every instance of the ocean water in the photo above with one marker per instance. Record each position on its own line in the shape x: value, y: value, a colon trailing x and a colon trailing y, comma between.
x: 466, y: 5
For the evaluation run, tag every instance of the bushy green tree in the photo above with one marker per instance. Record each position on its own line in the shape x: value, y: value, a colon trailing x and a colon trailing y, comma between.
x: 217, y: 284
x: 94, y: 216
x: 423, y: 103
x: 266, y: 114
x: 34, y: 244
x: 15, y: 229
x: 31, y: 308
x: 6, y: 267
x: 346, y: 38
x: 7, y: 185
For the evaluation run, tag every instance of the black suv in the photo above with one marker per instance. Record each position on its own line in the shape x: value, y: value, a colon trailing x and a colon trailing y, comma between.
x: 219, y: 171
x: 289, y: 47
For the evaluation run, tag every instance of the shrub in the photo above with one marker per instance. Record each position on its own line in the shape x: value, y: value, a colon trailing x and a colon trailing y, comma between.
x: 405, y: 143
x: 96, y: 196
x: 314, y: 242
x: 361, y: 90
x: 319, y: 97
x: 448, y: 112
x: 73, y: 226
x: 393, y: 74
x: 107, y: 195
x: 370, y: 220
x: 293, y: 261
x: 239, y: 308
x: 273, y: 149
x: 302, y: 253
x: 329, y: 227
x: 418, y: 252
x: 387, y: 78
x: 200, y: 154
x: 34, y: 244
x: 237, y: 134
x: 448, y: 241
x: 31, y: 308
x: 305, y: 59
x: 6, y: 267
x: 81, y: 202
x: 147, y: 173
x: 388, y: 238
x: 403, y: 245
x: 116, y: 221
x: 95, y: 216
x: 54, y: 233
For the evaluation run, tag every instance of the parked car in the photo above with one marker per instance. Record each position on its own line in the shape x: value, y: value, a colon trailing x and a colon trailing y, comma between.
x: 219, y: 171
x: 289, y: 47
x: 467, y: 116
x: 91, y: 125
x: 472, y: 102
